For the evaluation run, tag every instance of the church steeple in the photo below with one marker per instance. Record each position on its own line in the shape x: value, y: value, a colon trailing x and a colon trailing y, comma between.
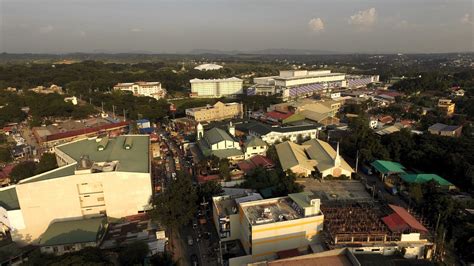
x: 337, y: 158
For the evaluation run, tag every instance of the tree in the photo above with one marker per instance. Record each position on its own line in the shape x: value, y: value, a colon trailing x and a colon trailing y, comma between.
x: 164, y: 259
x: 134, y: 254
x: 5, y: 155
x: 23, y: 170
x: 46, y: 163
x: 224, y: 169
x: 209, y: 190
x: 176, y: 206
x: 272, y: 154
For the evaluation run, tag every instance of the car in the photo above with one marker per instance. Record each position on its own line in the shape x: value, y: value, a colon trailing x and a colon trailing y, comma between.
x: 194, y: 260
x: 195, y: 223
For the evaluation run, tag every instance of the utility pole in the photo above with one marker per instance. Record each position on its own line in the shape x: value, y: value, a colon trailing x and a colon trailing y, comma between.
x: 357, y: 161
x: 113, y: 110
x: 124, y: 117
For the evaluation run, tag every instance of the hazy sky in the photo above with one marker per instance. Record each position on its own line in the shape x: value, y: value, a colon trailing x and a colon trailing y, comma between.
x: 61, y: 26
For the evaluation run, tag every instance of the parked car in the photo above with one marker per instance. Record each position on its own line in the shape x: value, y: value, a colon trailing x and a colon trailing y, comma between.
x: 190, y: 240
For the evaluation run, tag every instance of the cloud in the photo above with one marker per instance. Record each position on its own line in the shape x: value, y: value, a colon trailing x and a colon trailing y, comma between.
x: 466, y: 19
x: 316, y: 24
x: 136, y: 30
x: 46, y: 29
x: 82, y: 33
x: 364, y: 19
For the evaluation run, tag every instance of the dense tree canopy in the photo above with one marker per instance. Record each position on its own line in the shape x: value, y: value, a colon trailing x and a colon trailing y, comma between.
x: 282, y: 182
x: 176, y: 206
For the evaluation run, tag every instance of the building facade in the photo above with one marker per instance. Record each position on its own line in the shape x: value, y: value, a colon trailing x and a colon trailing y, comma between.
x: 265, y: 227
x: 217, y: 112
x: 142, y: 88
x: 216, y: 88
x: 94, y: 177
x: 447, y: 106
x: 271, y: 134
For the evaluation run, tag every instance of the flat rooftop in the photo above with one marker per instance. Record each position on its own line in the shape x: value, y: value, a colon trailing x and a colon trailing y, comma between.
x: 135, y: 159
x: 333, y: 190
x: 271, y: 211
x: 310, y: 76
x: 228, y: 205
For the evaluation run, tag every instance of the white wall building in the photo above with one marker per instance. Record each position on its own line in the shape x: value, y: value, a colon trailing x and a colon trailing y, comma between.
x: 271, y: 134
x: 206, y: 67
x: 141, y: 88
x: 94, y: 177
x: 216, y: 88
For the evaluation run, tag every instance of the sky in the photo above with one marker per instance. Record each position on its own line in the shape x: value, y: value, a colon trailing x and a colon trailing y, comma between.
x: 179, y: 26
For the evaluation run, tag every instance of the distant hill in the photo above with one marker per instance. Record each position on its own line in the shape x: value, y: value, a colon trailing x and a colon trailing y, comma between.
x: 274, y: 51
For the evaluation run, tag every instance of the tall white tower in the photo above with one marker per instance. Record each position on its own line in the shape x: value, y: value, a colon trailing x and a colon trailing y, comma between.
x: 199, y: 131
x: 231, y: 129
x: 337, y: 158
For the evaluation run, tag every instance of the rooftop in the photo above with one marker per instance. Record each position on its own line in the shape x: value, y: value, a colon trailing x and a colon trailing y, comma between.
x: 227, y: 205
x: 196, y: 80
x: 9, y: 198
x: 135, y: 159
x: 271, y: 211
x: 386, y: 167
x: 263, y: 129
x: 73, y: 231
x: 423, y: 178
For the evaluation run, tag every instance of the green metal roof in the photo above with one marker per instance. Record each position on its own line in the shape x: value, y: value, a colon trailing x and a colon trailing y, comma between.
x: 55, y: 173
x: 293, y: 118
x: 423, y: 178
x: 222, y: 154
x: 135, y: 159
x: 386, y: 167
x: 73, y: 231
x: 216, y: 135
x: 9, y: 198
x: 301, y: 198
x: 255, y: 142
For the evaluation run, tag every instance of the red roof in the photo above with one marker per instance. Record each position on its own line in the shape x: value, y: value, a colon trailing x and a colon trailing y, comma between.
x: 255, y: 161
x: 262, y: 161
x: 278, y: 115
x: 85, y: 131
x: 5, y: 172
x: 401, y: 220
x: 206, y: 178
x: 386, y: 119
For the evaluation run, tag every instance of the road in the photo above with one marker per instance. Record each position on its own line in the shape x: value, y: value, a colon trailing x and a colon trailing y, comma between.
x: 204, y: 236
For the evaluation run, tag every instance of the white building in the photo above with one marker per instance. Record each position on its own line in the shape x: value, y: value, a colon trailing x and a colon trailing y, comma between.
x: 206, y: 67
x: 267, y: 226
x: 301, y: 83
x: 108, y: 176
x: 216, y: 88
x: 219, y: 143
x: 255, y: 146
x: 271, y: 134
x: 142, y: 88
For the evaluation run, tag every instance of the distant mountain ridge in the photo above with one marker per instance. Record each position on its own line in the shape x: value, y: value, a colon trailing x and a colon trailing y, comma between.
x: 271, y: 51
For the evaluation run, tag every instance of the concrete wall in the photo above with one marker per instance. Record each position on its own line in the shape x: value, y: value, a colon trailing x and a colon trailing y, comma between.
x: 267, y: 239
x: 59, y: 198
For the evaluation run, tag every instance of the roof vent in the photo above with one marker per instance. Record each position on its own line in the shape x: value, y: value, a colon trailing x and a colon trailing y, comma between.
x: 103, y: 143
x: 128, y: 143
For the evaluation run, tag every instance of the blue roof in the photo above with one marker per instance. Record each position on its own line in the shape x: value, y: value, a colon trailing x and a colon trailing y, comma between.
x: 147, y: 130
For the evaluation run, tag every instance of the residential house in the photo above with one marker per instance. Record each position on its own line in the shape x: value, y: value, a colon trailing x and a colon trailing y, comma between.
x: 445, y: 130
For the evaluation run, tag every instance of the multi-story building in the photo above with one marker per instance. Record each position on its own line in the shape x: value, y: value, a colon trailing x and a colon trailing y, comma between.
x: 216, y: 88
x: 302, y: 83
x: 265, y: 227
x: 108, y: 176
x: 447, y: 106
x: 142, y: 88
x: 217, y: 112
